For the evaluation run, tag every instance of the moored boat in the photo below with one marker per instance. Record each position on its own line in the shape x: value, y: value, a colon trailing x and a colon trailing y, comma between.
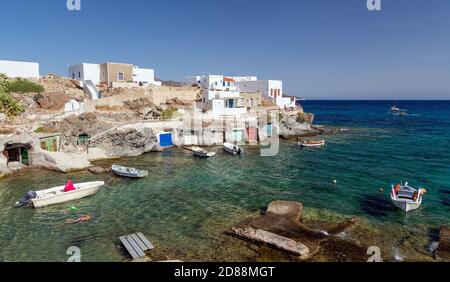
x: 233, y: 149
x: 56, y: 195
x: 129, y: 172
x: 407, y: 198
x: 310, y: 143
x: 201, y: 153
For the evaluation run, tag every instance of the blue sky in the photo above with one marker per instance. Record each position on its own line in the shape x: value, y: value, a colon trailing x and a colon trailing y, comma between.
x: 321, y: 49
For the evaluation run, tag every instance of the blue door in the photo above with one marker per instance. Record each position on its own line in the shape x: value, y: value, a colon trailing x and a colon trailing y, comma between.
x: 269, y: 129
x: 165, y: 140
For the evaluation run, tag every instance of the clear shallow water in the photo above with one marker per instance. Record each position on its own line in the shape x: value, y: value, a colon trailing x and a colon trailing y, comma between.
x: 186, y: 203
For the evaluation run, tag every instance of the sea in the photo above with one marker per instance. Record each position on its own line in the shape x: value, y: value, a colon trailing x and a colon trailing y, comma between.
x: 186, y: 204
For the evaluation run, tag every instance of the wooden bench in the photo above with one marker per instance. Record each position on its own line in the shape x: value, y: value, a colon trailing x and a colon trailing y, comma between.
x: 136, y: 245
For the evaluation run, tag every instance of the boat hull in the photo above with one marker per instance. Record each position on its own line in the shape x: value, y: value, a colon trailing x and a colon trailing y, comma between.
x: 64, y: 197
x: 128, y: 175
x: 230, y: 151
x: 311, y: 145
x: 119, y: 171
x: 204, y: 155
x: 200, y: 153
x: 406, y: 205
x: 233, y: 150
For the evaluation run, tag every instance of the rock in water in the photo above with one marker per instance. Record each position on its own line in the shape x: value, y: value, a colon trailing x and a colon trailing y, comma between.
x: 97, y: 170
x: 273, y: 240
x: 433, y: 246
x: 398, y: 255
x: 444, y: 239
x: 291, y: 210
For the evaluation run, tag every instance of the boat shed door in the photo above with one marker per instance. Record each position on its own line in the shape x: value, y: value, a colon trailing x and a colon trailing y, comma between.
x: 165, y: 139
x: 25, y: 156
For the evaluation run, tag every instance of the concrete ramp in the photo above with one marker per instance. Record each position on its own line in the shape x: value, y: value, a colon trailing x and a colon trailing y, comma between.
x: 90, y: 89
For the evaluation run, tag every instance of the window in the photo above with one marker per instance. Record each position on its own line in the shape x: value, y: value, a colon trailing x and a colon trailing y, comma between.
x: 120, y: 76
x: 79, y: 74
x: 83, y: 139
x: 73, y: 76
x: 271, y: 92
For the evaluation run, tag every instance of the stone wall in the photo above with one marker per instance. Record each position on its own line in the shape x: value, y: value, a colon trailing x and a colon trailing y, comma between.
x: 158, y: 95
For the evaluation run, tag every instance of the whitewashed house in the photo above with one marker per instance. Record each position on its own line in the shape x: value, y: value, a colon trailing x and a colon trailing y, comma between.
x: 220, y: 95
x: 17, y: 69
x: 73, y: 107
x: 245, y: 78
x: 85, y: 72
x: 114, y: 74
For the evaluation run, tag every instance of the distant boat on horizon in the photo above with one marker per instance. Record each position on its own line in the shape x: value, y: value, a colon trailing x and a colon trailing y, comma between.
x: 398, y: 111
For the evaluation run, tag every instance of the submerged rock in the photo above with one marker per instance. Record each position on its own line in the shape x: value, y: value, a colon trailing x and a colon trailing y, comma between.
x: 433, y: 246
x: 398, y: 256
x: 281, y: 226
x: 98, y: 170
x: 274, y: 240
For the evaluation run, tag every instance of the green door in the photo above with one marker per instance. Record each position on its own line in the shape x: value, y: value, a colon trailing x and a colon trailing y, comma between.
x: 25, y: 157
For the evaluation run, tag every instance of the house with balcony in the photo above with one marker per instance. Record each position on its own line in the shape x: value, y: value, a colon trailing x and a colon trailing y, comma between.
x: 221, y: 98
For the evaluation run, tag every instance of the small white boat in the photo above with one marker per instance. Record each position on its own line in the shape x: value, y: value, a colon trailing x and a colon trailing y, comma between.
x: 56, y: 195
x: 306, y: 143
x: 233, y: 149
x: 129, y: 172
x: 201, y: 153
x: 397, y: 111
x: 407, y: 198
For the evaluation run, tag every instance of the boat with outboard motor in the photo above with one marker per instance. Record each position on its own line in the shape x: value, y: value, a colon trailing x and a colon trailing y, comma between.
x: 57, y: 195
x: 233, y: 149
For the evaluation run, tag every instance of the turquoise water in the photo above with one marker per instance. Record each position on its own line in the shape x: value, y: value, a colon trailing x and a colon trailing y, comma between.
x: 185, y: 204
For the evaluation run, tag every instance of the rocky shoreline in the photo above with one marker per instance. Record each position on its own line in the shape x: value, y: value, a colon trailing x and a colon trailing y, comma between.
x: 284, y: 231
x: 110, y: 139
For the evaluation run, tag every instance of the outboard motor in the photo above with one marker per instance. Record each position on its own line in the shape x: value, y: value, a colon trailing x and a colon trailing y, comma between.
x: 26, y: 199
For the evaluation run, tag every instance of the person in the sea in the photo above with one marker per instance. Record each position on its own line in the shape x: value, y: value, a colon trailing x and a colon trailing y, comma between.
x: 69, y: 186
x: 83, y: 218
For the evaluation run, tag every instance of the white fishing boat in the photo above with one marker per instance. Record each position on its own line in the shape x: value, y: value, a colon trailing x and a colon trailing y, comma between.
x: 201, y: 153
x: 233, y: 149
x: 129, y: 172
x: 397, y: 111
x: 407, y: 198
x: 309, y: 143
x: 56, y: 195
